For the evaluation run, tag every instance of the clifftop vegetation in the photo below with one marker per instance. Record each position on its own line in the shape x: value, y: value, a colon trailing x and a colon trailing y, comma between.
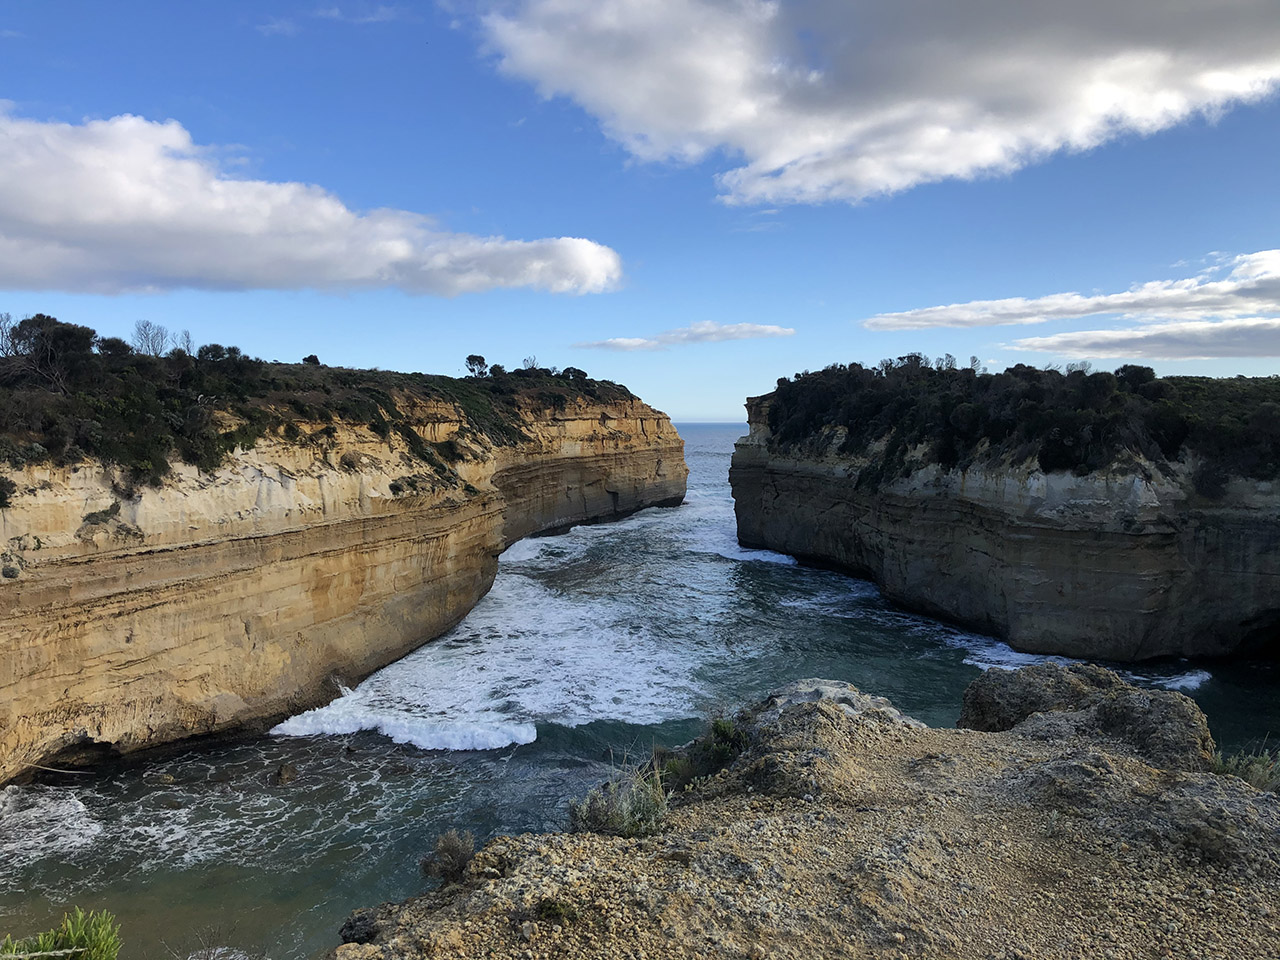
x: 67, y: 393
x: 1078, y: 420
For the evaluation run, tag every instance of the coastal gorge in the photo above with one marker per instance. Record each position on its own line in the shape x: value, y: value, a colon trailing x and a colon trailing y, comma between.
x: 1096, y: 515
x: 349, y: 517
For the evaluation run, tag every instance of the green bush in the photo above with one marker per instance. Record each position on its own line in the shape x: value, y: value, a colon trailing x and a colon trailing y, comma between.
x: 94, y: 936
x: 451, y: 856
x: 1261, y: 768
x: 631, y: 804
x: 912, y: 410
x: 706, y: 756
x: 66, y: 394
x: 7, y: 489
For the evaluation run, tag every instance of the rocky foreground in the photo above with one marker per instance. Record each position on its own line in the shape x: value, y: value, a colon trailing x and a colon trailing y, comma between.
x: 1079, y: 820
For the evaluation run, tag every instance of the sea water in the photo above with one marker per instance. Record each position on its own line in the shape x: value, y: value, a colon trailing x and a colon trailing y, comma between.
x: 592, y: 647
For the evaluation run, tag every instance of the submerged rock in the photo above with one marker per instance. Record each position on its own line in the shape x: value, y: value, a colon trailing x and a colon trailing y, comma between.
x: 845, y: 829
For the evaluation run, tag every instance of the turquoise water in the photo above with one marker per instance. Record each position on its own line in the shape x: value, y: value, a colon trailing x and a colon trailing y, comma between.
x: 592, y: 646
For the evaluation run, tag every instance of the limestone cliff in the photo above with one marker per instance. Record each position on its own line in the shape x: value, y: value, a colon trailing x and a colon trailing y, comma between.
x: 233, y: 598
x: 1120, y: 564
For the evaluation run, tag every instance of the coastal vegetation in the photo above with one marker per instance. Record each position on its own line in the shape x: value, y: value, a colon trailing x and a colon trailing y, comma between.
x: 68, y: 393
x: 1259, y: 768
x: 82, y: 936
x: 913, y: 411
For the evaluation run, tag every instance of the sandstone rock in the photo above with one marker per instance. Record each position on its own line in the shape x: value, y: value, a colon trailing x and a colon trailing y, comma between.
x: 1125, y: 564
x: 1165, y: 728
x: 233, y: 599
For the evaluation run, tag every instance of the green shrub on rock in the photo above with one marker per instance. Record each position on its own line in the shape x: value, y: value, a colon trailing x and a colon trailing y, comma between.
x: 632, y: 804
x: 1260, y: 768
x: 453, y: 852
x: 82, y: 936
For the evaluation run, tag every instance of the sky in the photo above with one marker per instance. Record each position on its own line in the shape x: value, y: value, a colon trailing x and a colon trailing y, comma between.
x: 691, y: 197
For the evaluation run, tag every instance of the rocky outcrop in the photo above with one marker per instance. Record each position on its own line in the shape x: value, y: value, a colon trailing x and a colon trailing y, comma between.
x: 132, y: 618
x: 848, y: 830
x: 1123, y: 564
x: 1050, y: 700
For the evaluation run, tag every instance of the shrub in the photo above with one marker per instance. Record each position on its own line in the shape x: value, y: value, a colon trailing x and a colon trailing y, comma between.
x: 551, y: 910
x: 708, y: 755
x: 93, y: 936
x: 7, y: 489
x: 1079, y: 421
x: 1260, y: 768
x: 631, y: 804
x: 453, y: 852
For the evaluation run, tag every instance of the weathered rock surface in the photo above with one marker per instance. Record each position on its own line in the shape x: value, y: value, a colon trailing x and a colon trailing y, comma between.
x: 237, y: 598
x: 1050, y: 700
x: 848, y: 830
x: 1114, y: 565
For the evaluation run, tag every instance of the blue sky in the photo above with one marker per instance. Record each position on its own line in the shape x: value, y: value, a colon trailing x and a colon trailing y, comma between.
x: 749, y: 189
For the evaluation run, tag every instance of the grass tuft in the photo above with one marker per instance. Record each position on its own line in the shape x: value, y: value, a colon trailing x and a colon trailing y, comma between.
x: 631, y: 804
x: 1261, y: 768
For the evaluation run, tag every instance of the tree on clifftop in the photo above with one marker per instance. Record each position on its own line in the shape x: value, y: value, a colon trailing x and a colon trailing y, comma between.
x: 476, y: 365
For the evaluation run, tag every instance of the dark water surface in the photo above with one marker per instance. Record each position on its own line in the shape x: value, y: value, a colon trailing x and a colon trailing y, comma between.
x: 591, y: 646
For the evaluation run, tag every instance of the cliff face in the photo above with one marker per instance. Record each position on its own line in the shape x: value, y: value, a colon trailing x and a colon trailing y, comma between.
x: 1112, y: 565
x: 235, y: 598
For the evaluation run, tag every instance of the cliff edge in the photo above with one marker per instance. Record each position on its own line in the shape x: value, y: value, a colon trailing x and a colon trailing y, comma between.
x: 845, y: 829
x: 209, y: 600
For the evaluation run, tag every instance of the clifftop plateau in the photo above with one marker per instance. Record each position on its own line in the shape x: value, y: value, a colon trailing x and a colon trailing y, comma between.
x: 1078, y: 823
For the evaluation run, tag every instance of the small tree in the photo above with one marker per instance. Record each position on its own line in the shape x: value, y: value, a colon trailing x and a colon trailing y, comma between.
x: 150, y: 338
x: 312, y: 359
x: 476, y: 365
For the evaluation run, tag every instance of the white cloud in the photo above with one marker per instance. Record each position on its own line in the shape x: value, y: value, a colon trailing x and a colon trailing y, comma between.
x: 1184, y: 340
x: 846, y: 99
x: 277, y: 27
x: 1251, y: 287
x: 377, y: 14
x: 703, y: 331
x: 131, y: 204
x: 11, y: 34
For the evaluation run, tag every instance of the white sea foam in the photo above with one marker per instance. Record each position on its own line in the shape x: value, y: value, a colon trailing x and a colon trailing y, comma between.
x: 1191, y: 680
x: 526, y: 654
x: 39, y: 822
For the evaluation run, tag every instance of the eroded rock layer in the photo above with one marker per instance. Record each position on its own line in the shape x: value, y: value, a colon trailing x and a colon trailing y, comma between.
x: 133, y: 618
x: 845, y: 829
x: 1118, y: 564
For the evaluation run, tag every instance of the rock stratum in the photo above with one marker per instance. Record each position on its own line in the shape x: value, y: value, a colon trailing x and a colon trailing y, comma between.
x: 1079, y: 823
x: 229, y: 599
x: 1120, y: 564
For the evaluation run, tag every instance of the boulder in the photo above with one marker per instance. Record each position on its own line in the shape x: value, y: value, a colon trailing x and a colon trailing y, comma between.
x: 1054, y: 701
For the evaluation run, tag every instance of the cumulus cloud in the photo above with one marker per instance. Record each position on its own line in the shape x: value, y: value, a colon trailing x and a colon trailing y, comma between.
x: 847, y: 99
x: 1251, y: 287
x: 703, y: 331
x: 1185, y: 340
x: 131, y: 204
